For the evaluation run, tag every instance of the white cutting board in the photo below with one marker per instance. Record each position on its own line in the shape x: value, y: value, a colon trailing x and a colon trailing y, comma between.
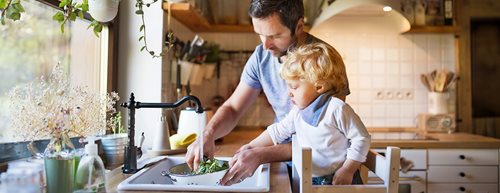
x: 151, y: 179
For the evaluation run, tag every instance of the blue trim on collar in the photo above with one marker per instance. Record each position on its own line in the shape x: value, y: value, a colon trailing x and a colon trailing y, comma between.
x: 312, y: 113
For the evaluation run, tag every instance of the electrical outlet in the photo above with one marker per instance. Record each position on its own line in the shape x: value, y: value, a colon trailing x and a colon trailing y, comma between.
x: 408, y: 94
x: 379, y: 95
x: 398, y: 95
x: 389, y: 95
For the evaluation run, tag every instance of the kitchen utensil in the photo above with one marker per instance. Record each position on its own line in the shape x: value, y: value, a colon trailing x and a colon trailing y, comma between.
x: 196, y: 47
x: 425, y: 82
x: 162, y: 136
x: 185, y: 72
x: 431, y: 82
x: 196, y: 75
x: 139, y: 148
x: 441, y: 80
x: 185, y: 50
x: 452, y: 79
x: 150, y: 179
x: 181, y: 174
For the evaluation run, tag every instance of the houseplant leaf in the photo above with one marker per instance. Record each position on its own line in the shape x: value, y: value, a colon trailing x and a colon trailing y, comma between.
x: 3, y: 4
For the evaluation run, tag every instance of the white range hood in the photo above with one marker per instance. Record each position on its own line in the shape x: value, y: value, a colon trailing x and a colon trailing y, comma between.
x: 362, y: 13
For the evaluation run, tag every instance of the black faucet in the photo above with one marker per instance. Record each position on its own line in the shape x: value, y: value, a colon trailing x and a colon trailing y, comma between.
x: 130, y: 165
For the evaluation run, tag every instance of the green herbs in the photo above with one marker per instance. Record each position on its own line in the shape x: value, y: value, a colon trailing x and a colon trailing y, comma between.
x: 211, y: 165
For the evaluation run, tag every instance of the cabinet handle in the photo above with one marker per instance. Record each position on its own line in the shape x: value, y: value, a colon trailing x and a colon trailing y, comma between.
x: 462, y: 189
x: 462, y: 174
x: 462, y: 157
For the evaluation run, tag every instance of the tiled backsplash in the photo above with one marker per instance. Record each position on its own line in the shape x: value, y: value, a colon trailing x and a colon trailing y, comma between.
x: 384, y: 73
x: 383, y: 70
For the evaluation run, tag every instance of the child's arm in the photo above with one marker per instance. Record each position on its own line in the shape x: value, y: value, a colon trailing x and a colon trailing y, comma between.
x: 275, y: 133
x: 354, y: 129
x: 262, y: 140
x: 344, y: 175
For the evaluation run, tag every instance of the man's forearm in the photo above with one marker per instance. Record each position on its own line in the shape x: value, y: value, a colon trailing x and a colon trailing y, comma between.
x: 222, y: 123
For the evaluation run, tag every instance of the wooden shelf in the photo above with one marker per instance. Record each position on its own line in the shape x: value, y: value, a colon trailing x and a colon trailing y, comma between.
x: 190, y: 17
x: 433, y: 29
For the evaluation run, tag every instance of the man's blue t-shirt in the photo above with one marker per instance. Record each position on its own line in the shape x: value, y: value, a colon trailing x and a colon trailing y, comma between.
x: 262, y: 72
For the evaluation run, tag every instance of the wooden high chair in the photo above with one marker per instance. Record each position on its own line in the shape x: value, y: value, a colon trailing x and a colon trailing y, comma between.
x: 387, y: 168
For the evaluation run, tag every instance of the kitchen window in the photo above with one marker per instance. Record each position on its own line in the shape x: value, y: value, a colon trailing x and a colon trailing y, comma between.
x: 31, y: 46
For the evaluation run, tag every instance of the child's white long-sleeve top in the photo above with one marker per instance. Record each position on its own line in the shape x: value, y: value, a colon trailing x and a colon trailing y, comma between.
x: 331, y: 128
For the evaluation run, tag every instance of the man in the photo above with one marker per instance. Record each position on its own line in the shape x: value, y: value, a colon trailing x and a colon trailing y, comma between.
x: 280, y: 26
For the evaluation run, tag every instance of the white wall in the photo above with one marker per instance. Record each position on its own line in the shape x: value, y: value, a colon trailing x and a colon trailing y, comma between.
x: 380, y: 60
x: 138, y: 72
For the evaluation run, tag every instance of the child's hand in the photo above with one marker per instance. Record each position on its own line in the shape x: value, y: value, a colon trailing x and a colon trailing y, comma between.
x: 343, y: 176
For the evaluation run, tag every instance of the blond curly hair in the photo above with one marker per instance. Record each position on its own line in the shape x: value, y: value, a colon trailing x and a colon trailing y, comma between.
x: 316, y: 62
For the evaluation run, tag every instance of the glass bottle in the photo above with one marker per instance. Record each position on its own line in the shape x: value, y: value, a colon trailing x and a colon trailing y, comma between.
x: 90, y: 176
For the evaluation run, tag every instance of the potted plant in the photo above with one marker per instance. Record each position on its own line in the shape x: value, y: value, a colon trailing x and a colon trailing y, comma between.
x: 103, y: 10
x: 113, y: 144
x: 56, y: 109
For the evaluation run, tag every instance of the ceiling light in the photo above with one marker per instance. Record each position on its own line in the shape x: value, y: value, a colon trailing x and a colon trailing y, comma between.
x: 387, y: 8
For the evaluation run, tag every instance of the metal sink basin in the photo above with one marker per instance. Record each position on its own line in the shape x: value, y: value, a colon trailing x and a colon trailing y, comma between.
x: 150, y: 179
x: 400, y: 136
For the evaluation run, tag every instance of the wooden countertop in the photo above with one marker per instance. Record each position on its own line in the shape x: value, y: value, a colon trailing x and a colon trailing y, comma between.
x: 279, y: 175
x: 443, y: 140
x: 280, y: 182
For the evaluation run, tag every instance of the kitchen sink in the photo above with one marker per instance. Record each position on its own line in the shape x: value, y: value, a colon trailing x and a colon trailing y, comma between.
x: 400, y: 136
x: 150, y: 179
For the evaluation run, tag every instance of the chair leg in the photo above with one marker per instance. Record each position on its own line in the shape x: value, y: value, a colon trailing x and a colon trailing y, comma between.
x: 364, y: 174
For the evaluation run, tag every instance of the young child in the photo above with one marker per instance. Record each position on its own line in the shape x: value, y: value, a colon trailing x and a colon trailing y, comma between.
x: 338, y: 139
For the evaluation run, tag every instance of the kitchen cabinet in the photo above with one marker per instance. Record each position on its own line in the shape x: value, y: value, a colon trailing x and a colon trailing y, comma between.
x: 463, y: 170
x: 440, y: 162
x: 189, y: 16
x: 413, y: 179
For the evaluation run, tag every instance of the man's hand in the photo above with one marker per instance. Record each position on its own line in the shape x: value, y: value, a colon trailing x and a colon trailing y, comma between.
x: 193, y: 152
x: 242, y: 165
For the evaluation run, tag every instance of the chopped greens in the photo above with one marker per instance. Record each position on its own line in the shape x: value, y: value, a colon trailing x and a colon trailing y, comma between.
x: 211, y: 165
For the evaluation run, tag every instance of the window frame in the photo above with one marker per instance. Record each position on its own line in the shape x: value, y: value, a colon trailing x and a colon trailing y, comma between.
x: 18, y: 150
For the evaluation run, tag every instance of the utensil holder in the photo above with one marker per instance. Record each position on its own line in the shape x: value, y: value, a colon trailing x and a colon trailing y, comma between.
x: 437, y: 103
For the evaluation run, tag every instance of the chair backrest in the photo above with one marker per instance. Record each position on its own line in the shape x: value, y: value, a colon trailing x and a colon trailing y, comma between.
x: 386, y: 168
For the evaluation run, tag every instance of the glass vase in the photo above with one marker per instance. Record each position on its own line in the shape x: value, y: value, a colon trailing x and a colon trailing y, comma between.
x: 59, y: 164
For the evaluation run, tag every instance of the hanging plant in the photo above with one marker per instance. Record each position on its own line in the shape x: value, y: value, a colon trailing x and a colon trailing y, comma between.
x: 12, y: 9
x: 170, y: 36
x: 70, y: 11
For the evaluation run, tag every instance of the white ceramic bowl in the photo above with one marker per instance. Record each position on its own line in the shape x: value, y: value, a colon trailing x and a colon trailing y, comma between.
x: 181, y: 175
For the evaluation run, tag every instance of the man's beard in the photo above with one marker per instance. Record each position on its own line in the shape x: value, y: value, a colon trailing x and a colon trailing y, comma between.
x: 291, y: 47
x: 293, y: 44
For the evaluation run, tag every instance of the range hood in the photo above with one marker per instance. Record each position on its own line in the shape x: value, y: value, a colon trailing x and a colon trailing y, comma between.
x: 362, y: 12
